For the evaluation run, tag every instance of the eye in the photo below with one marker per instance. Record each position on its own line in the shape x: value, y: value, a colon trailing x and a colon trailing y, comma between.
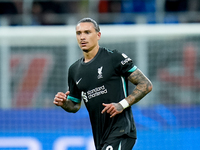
x: 78, y: 33
x: 87, y: 32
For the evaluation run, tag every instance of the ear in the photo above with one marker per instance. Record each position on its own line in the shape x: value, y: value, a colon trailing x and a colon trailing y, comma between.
x: 99, y: 35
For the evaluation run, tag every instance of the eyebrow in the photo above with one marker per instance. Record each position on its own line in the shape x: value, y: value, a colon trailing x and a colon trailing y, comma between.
x: 83, y: 31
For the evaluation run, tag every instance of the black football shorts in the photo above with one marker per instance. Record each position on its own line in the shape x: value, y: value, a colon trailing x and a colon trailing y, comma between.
x: 119, y: 143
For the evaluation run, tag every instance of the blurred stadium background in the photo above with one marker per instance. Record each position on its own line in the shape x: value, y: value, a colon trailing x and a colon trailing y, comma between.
x: 38, y: 44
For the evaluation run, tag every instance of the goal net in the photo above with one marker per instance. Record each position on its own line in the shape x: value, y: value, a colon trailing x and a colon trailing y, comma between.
x: 34, y: 64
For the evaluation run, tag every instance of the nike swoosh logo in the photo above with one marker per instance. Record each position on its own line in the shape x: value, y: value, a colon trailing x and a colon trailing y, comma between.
x: 77, y: 82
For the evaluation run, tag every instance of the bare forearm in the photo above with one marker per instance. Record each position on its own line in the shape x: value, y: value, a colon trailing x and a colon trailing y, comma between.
x: 143, y: 87
x: 138, y: 93
x: 70, y: 106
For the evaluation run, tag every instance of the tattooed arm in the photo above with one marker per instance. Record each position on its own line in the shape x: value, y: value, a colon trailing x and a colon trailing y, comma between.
x: 68, y: 105
x: 143, y: 87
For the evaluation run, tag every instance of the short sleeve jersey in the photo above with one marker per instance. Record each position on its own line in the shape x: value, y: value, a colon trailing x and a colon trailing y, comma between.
x: 103, y: 80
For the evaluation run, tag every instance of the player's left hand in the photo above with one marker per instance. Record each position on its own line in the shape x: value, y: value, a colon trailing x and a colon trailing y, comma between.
x: 112, y: 109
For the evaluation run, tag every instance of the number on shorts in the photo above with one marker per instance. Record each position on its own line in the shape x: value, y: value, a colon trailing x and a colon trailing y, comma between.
x: 109, y: 147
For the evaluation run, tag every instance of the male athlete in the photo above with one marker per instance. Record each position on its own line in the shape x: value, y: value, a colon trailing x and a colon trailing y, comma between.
x: 100, y: 80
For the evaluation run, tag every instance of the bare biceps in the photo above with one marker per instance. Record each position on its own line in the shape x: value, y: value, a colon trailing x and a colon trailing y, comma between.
x: 143, y: 86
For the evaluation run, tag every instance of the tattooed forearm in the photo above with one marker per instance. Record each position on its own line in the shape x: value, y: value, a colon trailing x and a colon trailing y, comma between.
x: 70, y: 106
x: 143, y: 86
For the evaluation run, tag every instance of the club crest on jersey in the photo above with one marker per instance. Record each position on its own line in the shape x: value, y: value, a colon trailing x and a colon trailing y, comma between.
x: 100, y: 72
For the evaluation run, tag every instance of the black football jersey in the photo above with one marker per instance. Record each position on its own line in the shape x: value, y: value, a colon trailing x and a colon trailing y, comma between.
x: 103, y: 80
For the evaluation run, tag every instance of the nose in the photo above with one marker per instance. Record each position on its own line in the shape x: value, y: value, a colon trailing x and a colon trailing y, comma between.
x: 82, y: 37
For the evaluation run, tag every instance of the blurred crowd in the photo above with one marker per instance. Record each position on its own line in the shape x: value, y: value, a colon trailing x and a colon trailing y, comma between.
x: 62, y: 12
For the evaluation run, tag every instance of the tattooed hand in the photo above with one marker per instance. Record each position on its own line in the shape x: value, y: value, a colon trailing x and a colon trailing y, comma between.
x: 112, y: 109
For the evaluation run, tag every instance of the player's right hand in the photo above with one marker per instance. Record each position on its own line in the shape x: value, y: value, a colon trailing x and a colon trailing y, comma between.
x: 60, y: 98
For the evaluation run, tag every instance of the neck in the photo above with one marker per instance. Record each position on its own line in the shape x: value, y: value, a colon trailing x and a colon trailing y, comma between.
x: 89, y: 55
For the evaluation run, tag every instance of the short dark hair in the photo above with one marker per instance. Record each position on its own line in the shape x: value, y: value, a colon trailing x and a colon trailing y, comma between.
x: 96, y: 26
